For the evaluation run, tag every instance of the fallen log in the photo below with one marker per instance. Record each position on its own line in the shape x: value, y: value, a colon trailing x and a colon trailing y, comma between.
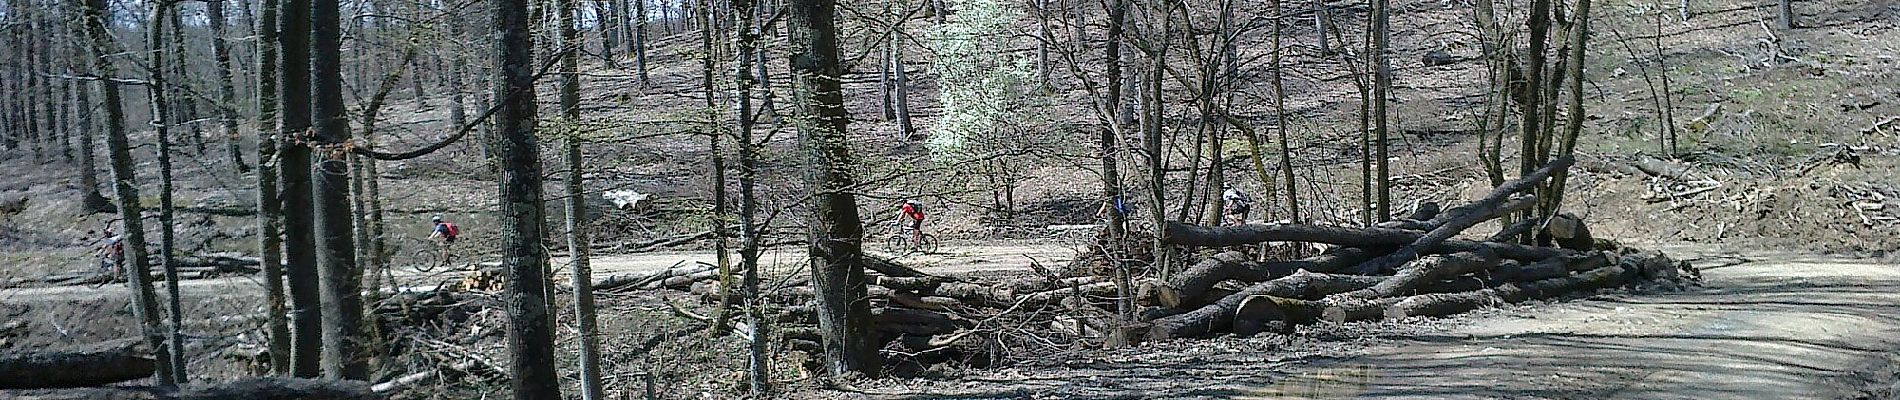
x: 1219, y: 316
x: 1208, y: 236
x: 1265, y: 313
x: 1185, y: 289
x: 917, y: 284
x: 1427, y: 270
x: 1095, y: 290
x: 933, y: 303
x: 1438, y: 305
x: 271, y: 388
x: 87, y: 365
x: 1279, y: 313
x: 640, y: 280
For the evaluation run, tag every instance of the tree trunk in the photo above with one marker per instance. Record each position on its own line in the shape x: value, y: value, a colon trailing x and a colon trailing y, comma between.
x: 900, y: 88
x: 1381, y: 90
x: 531, y: 328
x: 83, y: 125
x: 227, y: 92
x: 125, y: 188
x: 1186, y: 289
x: 837, y: 265
x: 269, y: 204
x: 577, y: 243
x: 758, y: 374
x: 94, y: 364
x: 639, y: 44
x: 1573, y: 124
x: 342, y: 301
x: 167, y: 237
x: 1219, y: 316
x: 300, y: 258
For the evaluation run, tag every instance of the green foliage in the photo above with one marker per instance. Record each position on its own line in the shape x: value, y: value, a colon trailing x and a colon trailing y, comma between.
x: 982, y: 87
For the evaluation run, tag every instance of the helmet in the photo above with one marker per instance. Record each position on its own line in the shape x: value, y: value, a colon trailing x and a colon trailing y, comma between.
x: 436, y: 219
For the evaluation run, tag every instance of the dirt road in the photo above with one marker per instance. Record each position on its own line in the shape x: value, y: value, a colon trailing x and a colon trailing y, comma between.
x: 1765, y: 326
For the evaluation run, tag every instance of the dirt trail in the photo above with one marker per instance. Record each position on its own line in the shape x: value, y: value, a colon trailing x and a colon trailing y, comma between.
x: 1765, y: 326
x: 951, y: 258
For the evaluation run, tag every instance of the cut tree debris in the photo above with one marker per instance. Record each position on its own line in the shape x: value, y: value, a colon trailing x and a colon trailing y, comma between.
x: 1414, y: 266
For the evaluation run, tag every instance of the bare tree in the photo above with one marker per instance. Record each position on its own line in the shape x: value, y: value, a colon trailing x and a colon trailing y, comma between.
x: 227, y: 92
x: 125, y: 189
x: 577, y: 245
x: 167, y: 241
x: 530, y: 326
x: 745, y: 44
x: 837, y: 265
x: 300, y: 259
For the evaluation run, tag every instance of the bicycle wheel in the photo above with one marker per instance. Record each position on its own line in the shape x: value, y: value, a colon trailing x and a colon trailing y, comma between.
x: 927, y: 244
x: 896, y: 244
x: 425, y: 260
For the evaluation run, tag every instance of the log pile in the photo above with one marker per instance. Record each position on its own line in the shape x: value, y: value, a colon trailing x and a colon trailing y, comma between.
x: 1403, y: 268
x: 83, y: 371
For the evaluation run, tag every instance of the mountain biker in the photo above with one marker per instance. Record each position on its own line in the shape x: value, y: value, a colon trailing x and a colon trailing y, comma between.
x: 445, y: 231
x: 111, y: 254
x: 1238, y: 203
x: 910, y: 219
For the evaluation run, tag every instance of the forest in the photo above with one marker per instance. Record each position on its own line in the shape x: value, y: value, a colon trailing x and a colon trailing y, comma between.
x: 312, y: 199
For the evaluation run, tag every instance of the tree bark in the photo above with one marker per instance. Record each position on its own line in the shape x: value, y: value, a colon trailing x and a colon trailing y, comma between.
x: 125, y: 187
x: 1187, y: 288
x: 84, y: 126
x: 342, y: 301
x: 531, y: 328
x: 269, y: 204
x: 900, y: 87
x: 577, y: 242
x: 167, y: 241
x: 837, y: 259
x: 1219, y: 316
x: 1428, y: 270
x: 1203, y: 236
x: 745, y: 13
x: 300, y: 258
x: 227, y: 92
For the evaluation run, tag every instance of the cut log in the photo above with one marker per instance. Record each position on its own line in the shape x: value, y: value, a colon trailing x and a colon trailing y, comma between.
x: 1512, y: 232
x: 644, y: 280
x: 1427, y: 270
x: 1208, y: 236
x: 1266, y: 313
x: 917, y: 322
x: 271, y: 388
x: 1219, y: 316
x: 933, y: 303
x: 1187, y: 288
x: 1093, y: 290
x: 886, y: 267
x: 1441, y: 233
x: 1438, y: 305
x: 88, y: 365
x: 977, y: 294
x: 919, y: 284
x: 1568, y: 231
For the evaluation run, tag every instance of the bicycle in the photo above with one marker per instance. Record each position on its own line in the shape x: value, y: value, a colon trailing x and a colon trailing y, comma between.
x: 902, y: 240
x: 435, y: 255
x: 106, y: 275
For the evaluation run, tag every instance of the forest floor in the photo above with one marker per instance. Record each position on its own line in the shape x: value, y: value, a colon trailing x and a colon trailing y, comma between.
x: 1763, y: 325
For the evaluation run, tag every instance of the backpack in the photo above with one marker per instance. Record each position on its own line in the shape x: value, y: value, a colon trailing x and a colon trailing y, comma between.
x: 451, y: 229
x: 914, y: 208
